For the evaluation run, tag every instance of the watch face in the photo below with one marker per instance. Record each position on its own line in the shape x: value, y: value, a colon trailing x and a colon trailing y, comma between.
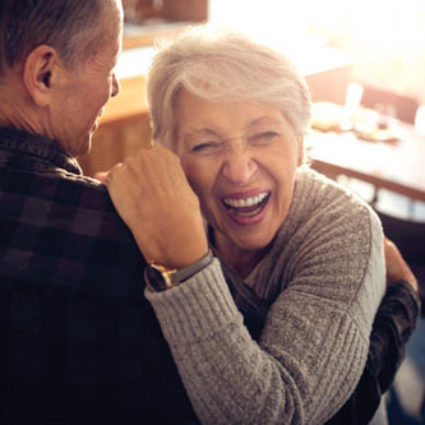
x: 155, y: 279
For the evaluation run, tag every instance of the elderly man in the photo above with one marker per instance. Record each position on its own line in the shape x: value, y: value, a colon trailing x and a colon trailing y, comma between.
x: 80, y: 344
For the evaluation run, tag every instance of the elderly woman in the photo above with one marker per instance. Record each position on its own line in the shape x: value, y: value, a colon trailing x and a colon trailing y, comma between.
x: 302, y: 258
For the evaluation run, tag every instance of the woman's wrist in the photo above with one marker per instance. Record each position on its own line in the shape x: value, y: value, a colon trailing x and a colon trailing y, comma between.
x: 160, y: 278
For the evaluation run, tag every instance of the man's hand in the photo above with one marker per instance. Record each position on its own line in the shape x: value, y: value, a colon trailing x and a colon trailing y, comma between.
x: 397, y: 268
x: 153, y: 197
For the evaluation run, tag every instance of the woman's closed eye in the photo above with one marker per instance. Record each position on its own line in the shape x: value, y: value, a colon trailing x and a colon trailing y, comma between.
x: 264, y: 137
x: 208, y: 146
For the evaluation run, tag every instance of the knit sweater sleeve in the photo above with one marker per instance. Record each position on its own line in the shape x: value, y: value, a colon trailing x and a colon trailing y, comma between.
x: 314, y: 344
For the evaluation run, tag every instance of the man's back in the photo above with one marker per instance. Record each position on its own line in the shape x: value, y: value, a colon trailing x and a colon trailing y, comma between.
x: 80, y: 343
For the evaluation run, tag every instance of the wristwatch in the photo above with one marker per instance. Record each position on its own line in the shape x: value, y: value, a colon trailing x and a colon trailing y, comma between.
x: 160, y: 278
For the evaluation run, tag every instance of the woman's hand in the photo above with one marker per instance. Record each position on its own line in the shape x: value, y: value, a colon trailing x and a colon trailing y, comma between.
x: 153, y: 197
x: 397, y: 268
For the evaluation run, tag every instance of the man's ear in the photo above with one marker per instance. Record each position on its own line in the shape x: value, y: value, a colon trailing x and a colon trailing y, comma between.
x: 40, y: 70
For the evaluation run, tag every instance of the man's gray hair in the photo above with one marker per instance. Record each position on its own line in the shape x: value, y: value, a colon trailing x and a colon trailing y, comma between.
x: 223, y: 65
x: 70, y: 26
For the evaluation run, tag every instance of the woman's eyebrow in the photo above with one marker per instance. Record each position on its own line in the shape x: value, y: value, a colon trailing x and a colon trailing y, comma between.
x: 199, y: 132
x: 258, y: 120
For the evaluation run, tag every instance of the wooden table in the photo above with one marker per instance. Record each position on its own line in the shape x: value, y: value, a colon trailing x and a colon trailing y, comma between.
x: 398, y: 166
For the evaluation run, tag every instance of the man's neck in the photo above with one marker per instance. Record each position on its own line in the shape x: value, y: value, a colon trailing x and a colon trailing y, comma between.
x: 16, y: 110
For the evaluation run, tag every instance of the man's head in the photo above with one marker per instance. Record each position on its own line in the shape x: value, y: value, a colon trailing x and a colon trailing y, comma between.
x: 57, y: 60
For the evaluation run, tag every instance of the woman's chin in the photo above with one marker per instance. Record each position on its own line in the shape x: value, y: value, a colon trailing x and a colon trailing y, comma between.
x: 249, y: 240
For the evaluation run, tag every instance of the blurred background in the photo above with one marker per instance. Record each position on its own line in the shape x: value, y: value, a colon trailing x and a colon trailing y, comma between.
x: 385, y: 38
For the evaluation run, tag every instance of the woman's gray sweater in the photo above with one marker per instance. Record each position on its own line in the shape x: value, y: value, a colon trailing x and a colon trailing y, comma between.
x: 323, y: 279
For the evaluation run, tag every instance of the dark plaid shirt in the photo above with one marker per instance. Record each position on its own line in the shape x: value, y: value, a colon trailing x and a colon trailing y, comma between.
x: 79, y: 342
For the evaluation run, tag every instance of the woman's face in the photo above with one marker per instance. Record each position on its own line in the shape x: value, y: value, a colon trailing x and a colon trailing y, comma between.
x: 240, y: 158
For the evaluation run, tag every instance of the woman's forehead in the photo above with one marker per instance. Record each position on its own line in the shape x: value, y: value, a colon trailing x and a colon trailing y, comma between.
x: 195, y: 115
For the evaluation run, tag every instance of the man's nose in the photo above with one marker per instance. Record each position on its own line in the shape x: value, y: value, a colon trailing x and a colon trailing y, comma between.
x: 239, y: 166
x: 115, y: 85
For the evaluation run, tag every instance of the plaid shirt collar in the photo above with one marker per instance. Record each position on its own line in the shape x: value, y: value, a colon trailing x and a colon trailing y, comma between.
x: 41, y: 148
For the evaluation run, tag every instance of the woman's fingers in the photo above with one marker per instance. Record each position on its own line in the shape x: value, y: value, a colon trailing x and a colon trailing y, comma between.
x: 152, y: 195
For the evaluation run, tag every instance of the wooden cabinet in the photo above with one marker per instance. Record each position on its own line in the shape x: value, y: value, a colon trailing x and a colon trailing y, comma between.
x: 147, y: 20
x: 112, y: 143
x: 140, y: 11
x: 123, y: 129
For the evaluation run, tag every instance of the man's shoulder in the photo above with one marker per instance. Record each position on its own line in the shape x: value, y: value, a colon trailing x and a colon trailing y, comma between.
x: 63, y: 227
x: 56, y: 186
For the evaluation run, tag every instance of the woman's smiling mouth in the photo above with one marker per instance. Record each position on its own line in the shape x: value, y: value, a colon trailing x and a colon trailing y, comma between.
x: 242, y: 208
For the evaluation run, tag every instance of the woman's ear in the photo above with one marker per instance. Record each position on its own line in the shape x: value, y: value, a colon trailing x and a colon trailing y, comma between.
x: 301, y: 151
x: 40, y: 68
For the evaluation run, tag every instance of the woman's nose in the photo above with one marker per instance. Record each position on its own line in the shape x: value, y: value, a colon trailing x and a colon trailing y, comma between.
x: 239, y: 167
x: 115, y: 85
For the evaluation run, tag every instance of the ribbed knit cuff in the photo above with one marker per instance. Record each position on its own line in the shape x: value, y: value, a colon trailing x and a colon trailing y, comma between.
x: 197, y: 308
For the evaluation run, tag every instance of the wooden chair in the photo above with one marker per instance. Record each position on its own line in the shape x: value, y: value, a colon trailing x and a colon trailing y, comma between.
x: 400, y: 106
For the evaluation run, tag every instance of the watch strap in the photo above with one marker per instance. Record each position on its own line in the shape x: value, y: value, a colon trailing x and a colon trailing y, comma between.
x: 160, y: 278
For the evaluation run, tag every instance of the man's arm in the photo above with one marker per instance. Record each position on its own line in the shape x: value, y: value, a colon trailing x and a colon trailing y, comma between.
x: 393, y: 325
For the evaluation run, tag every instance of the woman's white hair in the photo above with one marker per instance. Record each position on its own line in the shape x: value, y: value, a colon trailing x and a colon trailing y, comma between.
x: 225, y: 66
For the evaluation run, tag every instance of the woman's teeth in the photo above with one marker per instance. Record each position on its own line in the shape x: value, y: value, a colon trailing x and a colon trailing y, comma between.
x: 247, y: 206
